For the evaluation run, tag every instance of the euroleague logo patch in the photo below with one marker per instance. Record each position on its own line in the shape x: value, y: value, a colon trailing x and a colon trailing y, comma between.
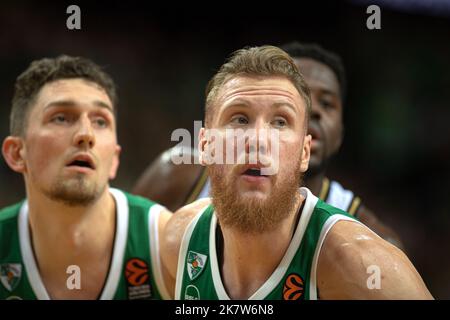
x: 136, y: 273
x: 293, y: 287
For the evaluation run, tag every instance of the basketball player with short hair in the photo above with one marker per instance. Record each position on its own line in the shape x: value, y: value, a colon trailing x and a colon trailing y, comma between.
x: 73, y: 237
x: 324, y: 73
x: 263, y: 237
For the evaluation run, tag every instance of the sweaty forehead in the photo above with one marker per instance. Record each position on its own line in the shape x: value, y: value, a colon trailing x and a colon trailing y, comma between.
x: 318, y: 74
x: 246, y: 86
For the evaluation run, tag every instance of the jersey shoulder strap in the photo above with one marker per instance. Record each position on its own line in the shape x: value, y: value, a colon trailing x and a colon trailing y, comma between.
x: 324, y: 217
x: 141, y: 266
x: 194, y: 267
x: 8, y: 227
x: 14, y: 282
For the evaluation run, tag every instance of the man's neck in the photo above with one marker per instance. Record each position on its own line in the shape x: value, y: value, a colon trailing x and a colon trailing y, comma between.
x: 64, y: 235
x: 250, y: 259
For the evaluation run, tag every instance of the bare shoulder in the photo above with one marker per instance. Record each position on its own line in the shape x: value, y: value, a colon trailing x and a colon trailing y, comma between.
x: 173, y: 227
x: 164, y: 217
x: 168, y: 183
x: 174, y: 230
x: 182, y: 217
x: 355, y: 263
x: 370, y: 219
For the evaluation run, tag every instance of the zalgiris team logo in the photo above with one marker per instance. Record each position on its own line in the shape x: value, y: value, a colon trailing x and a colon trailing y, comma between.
x: 10, y: 274
x: 195, y: 264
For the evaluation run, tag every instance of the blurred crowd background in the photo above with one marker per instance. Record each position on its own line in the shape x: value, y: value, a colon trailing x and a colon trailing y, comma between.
x: 396, y: 151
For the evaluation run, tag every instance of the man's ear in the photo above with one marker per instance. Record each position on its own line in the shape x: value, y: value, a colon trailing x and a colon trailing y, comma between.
x: 306, y: 153
x: 115, y: 163
x: 13, y: 150
x: 202, y: 141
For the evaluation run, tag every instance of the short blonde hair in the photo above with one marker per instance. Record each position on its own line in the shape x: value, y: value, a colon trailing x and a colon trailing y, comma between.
x: 256, y: 61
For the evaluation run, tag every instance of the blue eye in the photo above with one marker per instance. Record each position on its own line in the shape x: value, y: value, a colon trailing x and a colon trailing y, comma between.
x: 60, y: 118
x: 101, y: 122
x: 280, y: 123
x: 240, y: 120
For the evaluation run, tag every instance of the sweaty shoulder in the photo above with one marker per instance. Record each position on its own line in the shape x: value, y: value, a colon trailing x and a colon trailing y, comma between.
x: 168, y: 183
x: 355, y: 263
x: 174, y: 231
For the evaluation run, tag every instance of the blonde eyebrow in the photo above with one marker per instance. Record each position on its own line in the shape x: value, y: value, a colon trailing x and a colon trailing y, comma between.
x: 242, y: 103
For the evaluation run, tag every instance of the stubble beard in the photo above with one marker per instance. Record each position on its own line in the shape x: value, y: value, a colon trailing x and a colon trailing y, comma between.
x: 75, y: 192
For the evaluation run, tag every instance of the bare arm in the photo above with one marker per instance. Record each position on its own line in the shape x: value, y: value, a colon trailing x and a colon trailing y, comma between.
x: 163, y: 219
x: 167, y: 183
x: 171, y: 239
x: 369, y: 218
x: 349, y: 262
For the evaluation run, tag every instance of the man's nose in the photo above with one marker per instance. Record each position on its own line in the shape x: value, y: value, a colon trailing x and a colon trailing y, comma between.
x: 84, y: 137
x: 257, y: 140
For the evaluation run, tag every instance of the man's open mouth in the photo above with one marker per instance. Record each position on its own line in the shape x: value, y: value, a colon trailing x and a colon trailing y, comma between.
x: 255, y: 172
x: 82, y: 161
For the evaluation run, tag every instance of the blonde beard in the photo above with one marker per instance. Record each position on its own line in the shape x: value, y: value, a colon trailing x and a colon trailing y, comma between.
x: 253, y: 216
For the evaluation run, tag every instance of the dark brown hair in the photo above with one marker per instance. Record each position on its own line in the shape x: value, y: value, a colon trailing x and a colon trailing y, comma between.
x: 41, y: 72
